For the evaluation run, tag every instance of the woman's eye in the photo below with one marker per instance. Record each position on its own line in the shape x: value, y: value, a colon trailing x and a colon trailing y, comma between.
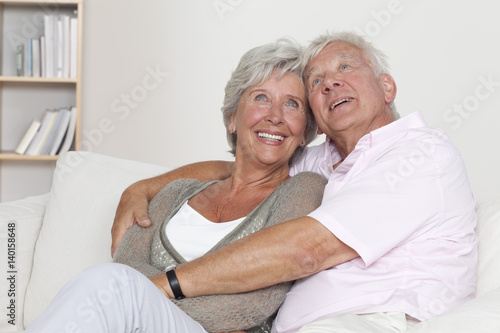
x: 292, y: 103
x: 261, y: 97
x: 344, y: 67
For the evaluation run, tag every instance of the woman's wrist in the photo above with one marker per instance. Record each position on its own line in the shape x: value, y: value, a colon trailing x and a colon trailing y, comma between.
x: 161, y: 282
x: 174, y: 284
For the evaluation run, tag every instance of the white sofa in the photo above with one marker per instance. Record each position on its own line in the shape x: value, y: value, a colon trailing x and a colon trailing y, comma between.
x: 53, y: 237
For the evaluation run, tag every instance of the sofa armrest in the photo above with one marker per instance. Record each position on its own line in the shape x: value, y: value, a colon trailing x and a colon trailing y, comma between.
x: 20, y: 223
x: 86, y: 189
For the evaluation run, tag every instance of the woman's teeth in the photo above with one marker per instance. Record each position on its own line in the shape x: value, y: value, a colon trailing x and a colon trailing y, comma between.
x: 270, y: 136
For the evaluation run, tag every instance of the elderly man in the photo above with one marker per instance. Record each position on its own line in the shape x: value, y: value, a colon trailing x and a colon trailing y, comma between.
x: 393, y: 241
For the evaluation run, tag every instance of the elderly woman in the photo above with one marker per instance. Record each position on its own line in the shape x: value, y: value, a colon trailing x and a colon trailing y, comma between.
x: 268, y: 122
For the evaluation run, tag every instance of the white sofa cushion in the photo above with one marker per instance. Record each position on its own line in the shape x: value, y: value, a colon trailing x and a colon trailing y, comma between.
x: 75, y: 234
x: 21, y: 219
x: 480, y: 315
x: 488, y: 231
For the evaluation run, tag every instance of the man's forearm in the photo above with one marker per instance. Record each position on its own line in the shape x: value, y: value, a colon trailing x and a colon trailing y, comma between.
x: 203, y: 171
x: 133, y: 205
x: 283, y: 252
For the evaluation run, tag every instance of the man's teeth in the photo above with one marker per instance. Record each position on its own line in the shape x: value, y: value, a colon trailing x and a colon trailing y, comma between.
x: 341, y: 101
x: 271, y: 136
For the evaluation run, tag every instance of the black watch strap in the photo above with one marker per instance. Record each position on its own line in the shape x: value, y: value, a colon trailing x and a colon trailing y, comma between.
x: 174, y: 284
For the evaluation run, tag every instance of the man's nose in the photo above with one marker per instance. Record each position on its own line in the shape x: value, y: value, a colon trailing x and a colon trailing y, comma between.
x: 330, y: 82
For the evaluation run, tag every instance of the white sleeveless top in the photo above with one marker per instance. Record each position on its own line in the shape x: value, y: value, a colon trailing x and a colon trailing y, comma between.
x: 192, y: 235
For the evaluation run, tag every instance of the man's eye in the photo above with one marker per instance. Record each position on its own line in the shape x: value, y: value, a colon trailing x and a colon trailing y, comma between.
x: 316, y: 81
x: 344, y: 67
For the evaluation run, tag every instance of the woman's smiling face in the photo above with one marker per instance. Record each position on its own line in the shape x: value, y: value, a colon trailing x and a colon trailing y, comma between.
x: 270, y: 120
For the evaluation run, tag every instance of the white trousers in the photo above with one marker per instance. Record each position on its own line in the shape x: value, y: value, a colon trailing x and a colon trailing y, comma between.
x: 113, y: 298
x: 381, y: 322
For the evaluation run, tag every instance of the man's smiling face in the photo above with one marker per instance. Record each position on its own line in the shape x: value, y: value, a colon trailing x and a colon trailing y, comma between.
x: 344, y: 93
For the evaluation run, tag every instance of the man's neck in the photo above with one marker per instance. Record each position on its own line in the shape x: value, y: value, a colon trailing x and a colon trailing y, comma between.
x: 346, y: 141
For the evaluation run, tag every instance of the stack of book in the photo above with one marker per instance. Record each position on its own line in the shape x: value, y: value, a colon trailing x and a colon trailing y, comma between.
x: 54, y: 54
x: 52, y: 135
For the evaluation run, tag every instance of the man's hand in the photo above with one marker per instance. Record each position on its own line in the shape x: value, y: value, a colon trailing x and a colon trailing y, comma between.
x: 133, y: 208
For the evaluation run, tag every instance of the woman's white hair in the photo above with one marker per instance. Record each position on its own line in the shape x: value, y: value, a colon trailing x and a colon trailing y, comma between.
x: 376, y: 58
x: 254, y: 68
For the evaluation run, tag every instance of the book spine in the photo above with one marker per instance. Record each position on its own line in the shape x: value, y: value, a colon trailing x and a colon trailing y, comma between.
x: 20, y: 60
x: 28, y: 58
x: 28, y: 137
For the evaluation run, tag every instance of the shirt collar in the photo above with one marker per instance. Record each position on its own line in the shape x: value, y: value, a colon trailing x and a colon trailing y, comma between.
x: 413, y: 120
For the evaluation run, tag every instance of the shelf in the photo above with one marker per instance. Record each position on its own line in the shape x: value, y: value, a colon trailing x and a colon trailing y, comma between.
x: 31, y: 2
x: 12, y: 156
x: 28, y: 79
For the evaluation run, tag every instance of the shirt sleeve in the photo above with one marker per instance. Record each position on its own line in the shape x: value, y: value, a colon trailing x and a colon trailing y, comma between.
x: 313, y: 159
x: 395, y: 197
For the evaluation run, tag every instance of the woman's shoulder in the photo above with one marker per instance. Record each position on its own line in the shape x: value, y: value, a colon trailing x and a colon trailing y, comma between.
x: 180, y: 184
x: 308, y: 177
x: 306, y: 182
x: 179, y: 187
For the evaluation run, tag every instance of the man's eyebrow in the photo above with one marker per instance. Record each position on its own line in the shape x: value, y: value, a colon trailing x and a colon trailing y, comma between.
x: 310, y: 72
x: 348, y: 56
x: 341, y: 56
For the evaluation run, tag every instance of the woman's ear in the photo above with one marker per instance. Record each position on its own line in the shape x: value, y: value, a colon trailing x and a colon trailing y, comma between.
x: 232, y: 124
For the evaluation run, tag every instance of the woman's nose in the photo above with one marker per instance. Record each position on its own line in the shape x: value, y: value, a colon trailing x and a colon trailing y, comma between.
x: 275, y: 114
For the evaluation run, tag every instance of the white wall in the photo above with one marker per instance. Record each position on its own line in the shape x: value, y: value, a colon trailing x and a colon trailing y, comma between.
x: 442, y: 53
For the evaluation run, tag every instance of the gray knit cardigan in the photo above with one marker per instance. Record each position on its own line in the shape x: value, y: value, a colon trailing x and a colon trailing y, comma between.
x: 149, y: 250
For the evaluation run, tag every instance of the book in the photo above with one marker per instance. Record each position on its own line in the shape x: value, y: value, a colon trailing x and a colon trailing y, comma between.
x: 43, y: 70
x: 48, y: 28
x: 35, y: 58
x: 40, y: 137
x: 73, y: 47
x: 66, y: 45
x: 28, y: 69
x: 58, y: 47
x: 20, y: 60
x: 53, y: 131
x: 60, y: 131
x: 70, y: 133
x: 28, y: 137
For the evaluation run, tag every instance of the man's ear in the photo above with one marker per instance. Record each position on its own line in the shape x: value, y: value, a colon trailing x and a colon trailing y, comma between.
x: 389, y: 86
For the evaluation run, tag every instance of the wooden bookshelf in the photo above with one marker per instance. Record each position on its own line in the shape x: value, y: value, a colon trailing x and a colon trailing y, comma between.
x: 23, y: 98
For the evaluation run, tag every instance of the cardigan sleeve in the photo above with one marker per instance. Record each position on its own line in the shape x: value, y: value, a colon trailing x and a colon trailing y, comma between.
x: 254, y: 310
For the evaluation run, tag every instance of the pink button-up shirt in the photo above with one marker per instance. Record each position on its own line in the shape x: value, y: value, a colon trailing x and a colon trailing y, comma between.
x: 402, y: 200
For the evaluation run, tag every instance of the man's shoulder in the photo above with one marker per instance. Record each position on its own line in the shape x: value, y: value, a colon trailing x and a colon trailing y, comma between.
x: 312, y: 158
x: 428, y: 140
